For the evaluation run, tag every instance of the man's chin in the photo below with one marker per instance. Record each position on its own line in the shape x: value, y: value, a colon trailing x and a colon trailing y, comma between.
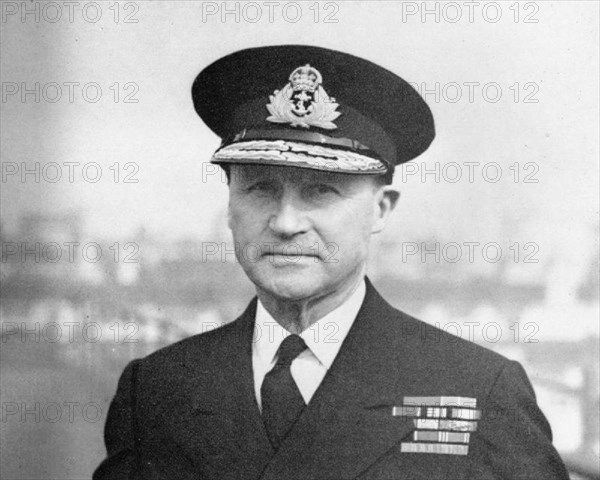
x: 288, y: 286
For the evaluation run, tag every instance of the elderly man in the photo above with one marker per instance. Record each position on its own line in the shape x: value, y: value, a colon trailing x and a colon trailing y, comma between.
x: 319, y: 378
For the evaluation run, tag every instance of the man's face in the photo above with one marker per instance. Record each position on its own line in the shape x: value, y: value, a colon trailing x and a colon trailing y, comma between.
x: 303, y: 233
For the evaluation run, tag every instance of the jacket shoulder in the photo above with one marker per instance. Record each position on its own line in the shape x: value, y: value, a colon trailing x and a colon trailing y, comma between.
x: 202, y: 344
x: 441, y: 342
x: 445, y: 359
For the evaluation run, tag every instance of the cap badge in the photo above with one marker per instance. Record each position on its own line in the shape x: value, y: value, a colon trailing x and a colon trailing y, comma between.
x: 303, y: 102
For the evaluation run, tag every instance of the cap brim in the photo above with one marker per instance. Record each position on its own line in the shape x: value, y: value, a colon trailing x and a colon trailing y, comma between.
x: 297, y: 154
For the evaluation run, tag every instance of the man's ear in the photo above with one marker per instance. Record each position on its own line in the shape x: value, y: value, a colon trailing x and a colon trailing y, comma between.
x: 387, y: 199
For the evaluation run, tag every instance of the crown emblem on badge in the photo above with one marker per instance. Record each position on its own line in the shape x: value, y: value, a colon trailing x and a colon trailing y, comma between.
x: 303, y: 102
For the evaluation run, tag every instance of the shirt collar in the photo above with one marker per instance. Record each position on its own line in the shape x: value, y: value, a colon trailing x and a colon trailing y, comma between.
x: 324, y: 338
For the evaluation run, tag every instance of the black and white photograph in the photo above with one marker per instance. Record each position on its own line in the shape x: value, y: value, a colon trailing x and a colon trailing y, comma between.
x: 300, y: 240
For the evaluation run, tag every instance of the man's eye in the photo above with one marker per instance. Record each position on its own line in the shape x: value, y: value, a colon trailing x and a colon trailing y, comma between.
x: 323, y: 189
x: 260, y: 187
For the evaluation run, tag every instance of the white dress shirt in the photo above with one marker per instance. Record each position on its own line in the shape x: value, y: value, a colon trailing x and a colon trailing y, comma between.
x: 323, y: 339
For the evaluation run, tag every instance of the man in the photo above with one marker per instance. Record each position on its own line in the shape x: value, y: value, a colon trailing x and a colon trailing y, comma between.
x: 319, y: 378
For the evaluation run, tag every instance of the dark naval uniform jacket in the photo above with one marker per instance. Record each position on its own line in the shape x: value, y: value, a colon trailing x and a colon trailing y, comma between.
x: 189, y: 411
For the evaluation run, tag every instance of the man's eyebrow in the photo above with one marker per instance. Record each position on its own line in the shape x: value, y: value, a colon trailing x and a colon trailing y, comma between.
x: 326, y: 177
x: 250, y: 176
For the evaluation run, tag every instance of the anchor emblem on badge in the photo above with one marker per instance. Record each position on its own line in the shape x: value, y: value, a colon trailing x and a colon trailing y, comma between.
x: 303, y: 102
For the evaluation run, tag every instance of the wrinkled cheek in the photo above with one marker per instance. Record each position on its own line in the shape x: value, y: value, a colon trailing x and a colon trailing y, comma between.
x: 236, y: 222
x: 247, y: 239
x: 235, y: 212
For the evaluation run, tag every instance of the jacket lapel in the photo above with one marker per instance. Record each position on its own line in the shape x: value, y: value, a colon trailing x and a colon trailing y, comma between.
x: 217, y: 421
x: 348, y: 423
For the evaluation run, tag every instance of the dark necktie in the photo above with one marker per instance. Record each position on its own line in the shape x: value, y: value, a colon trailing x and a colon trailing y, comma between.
x: 282, y: 402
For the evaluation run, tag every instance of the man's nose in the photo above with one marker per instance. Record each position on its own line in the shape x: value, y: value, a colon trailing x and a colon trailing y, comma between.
x: 290, y: 218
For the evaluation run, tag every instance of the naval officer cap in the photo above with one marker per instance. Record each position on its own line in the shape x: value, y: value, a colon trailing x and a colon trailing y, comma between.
x: 311, y: 107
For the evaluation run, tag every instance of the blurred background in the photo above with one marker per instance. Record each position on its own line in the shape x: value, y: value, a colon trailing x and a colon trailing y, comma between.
x: 114, y: 226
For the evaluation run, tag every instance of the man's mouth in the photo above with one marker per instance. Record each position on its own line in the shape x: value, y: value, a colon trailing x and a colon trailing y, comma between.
x: 287, y: 254
x: 292, y: 254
